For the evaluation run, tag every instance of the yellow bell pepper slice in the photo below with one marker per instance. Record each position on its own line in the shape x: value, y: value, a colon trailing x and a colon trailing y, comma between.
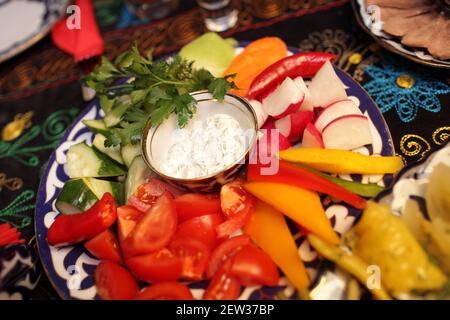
x: 268, y: 229
x: 301, y: 205
x: 342, y: 161
x: 349, y: 262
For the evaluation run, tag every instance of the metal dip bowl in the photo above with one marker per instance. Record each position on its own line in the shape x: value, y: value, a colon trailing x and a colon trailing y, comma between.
x: 155, y: 141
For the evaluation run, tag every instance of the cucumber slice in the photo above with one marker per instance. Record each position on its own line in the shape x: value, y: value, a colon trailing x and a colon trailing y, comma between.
x: 75, y: 197
x: 129, y: 152
x: 97, y: 126
x: 112, y: 152
x: 105, y: 103
x: 138, y: 174
x: 99, y: 187
x: 114, y: 116
x: 86, y: 162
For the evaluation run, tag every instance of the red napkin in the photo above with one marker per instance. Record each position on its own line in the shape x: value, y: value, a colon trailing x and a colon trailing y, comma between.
x: 9, y: 235
x: 84, y: 42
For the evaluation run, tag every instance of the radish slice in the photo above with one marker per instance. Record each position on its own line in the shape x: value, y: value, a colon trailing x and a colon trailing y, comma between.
x: 336, y: 110
x: 261, y: 115
x: 293, y: 125
x: 326, y: 87
x: 347, y: 133
x: 312, y: 137
x: 285, y: 99
x: 271, y: 142
x: 308, y: 104
x: 269, y: 124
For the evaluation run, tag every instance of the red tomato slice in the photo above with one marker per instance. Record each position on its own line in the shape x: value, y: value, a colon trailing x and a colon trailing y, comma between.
x: 238, y: 221
x: 237, y: 205
x: 252, y: 266
x: 155, y: 230
x: 159, y: 266
x: 165, y: 291
x: 114, y: 282
x: 223, y: 286
x: 105, y: 246
x: 147, y: 194
x: 194, y: 255
x: 202, y: 228
x: 127, y: 218
x: 192, y: 205
x: 224, y: 251
x: 233, y: 198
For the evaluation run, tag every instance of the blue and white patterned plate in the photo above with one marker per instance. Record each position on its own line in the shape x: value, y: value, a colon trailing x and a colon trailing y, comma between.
x: 71, y: 268
x: 24, y: 22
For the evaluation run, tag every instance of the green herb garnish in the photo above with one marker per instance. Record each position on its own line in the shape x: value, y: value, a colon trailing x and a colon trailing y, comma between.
x: 154, y: 91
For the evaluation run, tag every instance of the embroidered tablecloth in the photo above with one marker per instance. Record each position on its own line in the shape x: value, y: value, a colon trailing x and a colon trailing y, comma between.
x: 40, y: 89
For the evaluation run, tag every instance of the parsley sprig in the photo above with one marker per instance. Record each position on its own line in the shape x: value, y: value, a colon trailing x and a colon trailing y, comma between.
x: 136, y: 89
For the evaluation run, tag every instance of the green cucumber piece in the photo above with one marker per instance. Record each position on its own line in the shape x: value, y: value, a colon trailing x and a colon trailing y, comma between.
x: 112, y: 152
x: 114, y: 116
x: 105, y: 103
x: 97, y: 125
x: 129, y: 152
x: 75, y: 197
x: 86, y: 162
x: 99, y: 187
x: 138, y: 174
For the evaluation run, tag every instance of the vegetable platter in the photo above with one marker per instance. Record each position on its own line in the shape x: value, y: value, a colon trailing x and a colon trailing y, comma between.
x: 109, y: 227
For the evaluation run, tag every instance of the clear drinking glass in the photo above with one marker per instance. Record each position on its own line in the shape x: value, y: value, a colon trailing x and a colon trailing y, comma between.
x: 152, y: 9
x: 219, y: 15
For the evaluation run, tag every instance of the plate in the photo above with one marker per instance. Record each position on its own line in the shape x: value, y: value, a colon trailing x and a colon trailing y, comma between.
x: 71, y: 269
x: 25, y: 22
x: 391, y: 43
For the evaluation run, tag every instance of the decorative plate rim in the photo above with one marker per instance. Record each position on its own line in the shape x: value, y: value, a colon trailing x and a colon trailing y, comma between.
x: 389, y: 47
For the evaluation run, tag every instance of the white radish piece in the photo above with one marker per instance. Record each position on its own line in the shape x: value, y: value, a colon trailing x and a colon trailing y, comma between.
x: 326, y: 87
x: 271, y: 142
x: 285, y: 99
x: 312, y: 137
x: 261, y: 115
x: 335, y: 110
x: 347, y: 133
x: 293, y: 125
x: 307, y: 104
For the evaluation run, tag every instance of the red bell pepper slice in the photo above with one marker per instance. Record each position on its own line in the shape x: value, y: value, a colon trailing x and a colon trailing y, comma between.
x: 293, y: 175
x: 304, y: 64
x: 74, y: 228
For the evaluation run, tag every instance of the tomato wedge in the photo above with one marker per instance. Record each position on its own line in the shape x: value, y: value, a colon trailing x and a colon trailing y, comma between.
x: 224, y: 251
x: 194, y: 255
x: 165, y: 291
x: 114, y: 282
x: 159, y: 266
x: 252, y: 266
x: 237, y: 205
x: 192, y: 205
x: 202, y: 228
x: 105, y: 246
x: 155, y: 230
x: 127, y: 218
x: 223, y: 286
x: 147, y: 194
